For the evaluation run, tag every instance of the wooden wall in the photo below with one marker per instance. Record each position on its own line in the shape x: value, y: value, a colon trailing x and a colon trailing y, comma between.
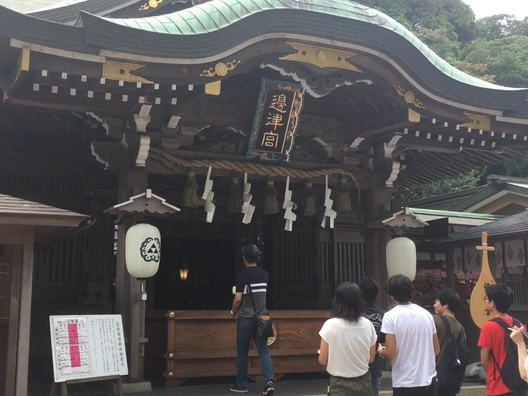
x: 190, y: 344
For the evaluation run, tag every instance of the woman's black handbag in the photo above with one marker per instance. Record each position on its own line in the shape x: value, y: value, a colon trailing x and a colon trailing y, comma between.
x: 264, y: 325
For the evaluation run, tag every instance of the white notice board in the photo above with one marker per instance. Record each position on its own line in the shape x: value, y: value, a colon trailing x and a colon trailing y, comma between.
x: 87, y: 346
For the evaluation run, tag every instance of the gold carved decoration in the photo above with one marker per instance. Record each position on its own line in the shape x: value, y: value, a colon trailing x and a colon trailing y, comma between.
x: 409, y: 97
x: 214, y: 88
x: 477, y: 122
x: 150, y: 4
x: 221, y: 69
x: 120, y: 71
x: 320, y: 56
x: 413, y: 116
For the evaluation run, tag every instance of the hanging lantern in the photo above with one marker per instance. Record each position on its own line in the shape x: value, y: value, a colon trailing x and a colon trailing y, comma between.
x: 142, y: 250
x: 401, y: 257
x: 183, y: 274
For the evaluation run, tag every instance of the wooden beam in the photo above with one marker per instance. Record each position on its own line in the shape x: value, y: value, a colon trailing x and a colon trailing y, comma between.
x: 65, y: 102
x: 193, y: 155
x: 379, y: 123
x: 487, y: 136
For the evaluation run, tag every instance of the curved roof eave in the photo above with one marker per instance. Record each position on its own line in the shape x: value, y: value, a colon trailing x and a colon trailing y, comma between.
x: 320, y: 16
x: 43, y: 32
x: 67, y: 12
x: 192, y: 36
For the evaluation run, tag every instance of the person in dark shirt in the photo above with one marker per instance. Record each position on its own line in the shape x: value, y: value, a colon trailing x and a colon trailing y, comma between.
x: 369, y: 289
x: 447, y: 303
x: 243, y: 311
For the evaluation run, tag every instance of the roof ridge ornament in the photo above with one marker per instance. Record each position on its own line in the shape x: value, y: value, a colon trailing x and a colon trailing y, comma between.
x: 321, y: 56
x: 478, y: 121
x: 121, y: 71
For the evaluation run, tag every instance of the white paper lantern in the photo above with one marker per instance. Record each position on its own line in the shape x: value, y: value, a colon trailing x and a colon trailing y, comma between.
x: 401, y: 257
x: 142, y: 250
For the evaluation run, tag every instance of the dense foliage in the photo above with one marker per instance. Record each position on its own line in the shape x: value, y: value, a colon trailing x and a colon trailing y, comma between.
x: 494, y: 49
x: 463, y: 182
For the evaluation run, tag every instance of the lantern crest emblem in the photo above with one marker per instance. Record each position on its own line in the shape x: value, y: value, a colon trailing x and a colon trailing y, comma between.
x: 150, y: 249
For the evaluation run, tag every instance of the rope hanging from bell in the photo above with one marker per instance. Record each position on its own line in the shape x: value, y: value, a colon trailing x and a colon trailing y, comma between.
x: 190, y: 197
x: 308, y: 197
x: 343, y: 203
x: 235, y: 196
x: 270, y: 202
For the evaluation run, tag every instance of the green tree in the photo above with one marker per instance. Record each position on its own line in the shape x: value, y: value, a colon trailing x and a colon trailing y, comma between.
x: 444, y: 45
x: 462, y: 182
x: 479, y: 70
x: 506, y: 59
x: 522, y: 27
x: 497, y: 26
x: 454, y: 16
x: 517, y: 167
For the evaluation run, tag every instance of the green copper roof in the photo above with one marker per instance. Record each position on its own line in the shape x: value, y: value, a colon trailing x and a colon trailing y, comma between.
x: 448, y: 213
x: 218, y: 14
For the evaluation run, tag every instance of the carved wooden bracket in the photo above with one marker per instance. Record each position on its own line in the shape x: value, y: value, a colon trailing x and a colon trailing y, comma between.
x: 109, y: 154
x: 143, y: 118
x: 316, y: 83
x: 143, y: 150
x: 391, y: 146
x: 394, y: 174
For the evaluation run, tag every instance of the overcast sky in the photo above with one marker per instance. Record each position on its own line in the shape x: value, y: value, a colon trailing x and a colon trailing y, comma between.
x: 484, y: 8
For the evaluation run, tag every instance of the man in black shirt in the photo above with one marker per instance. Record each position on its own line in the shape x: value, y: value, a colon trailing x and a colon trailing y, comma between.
x: 242, y: 308
x: 369, y: 289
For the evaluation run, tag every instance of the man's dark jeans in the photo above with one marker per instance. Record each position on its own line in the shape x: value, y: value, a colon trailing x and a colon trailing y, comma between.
x: 247, y: 329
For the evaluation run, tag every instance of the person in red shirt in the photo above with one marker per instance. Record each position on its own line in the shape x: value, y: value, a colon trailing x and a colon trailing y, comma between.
x: 499, y: 298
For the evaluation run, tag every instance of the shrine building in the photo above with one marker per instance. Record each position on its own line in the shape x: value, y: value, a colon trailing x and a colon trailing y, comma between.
x: 290, y: 125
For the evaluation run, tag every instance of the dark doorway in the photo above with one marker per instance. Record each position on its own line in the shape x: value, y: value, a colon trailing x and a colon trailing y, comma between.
x: 207, y: 256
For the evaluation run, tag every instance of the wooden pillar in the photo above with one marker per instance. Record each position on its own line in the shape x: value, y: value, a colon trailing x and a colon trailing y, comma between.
x: 24, y: 321
x: 12, y: 328
x: 375, y: 264
x: 132, y: 181
x: 377, y: 207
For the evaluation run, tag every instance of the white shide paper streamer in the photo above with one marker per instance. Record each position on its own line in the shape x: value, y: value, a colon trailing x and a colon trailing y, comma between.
x: 208, y: 195
x: 288, y: 205
x: 247, y: 208
x: 329, y: 212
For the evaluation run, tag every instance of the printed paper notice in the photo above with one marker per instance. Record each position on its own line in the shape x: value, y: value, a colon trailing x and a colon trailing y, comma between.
x: 87, y: 346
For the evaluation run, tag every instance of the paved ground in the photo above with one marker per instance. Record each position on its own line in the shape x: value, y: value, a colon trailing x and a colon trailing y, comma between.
x: 289, y: 385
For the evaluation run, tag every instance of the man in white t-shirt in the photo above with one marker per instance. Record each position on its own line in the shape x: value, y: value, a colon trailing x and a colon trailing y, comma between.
x: 410, y: 340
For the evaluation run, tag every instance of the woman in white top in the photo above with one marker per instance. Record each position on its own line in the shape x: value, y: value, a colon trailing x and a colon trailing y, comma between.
x: 517, y: 337
x: 348, y: 344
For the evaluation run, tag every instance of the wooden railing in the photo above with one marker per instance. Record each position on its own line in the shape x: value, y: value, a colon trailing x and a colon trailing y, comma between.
x: 191, y: 344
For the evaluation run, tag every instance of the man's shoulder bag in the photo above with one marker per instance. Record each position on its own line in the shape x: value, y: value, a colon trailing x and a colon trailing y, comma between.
x: 264, y: 326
